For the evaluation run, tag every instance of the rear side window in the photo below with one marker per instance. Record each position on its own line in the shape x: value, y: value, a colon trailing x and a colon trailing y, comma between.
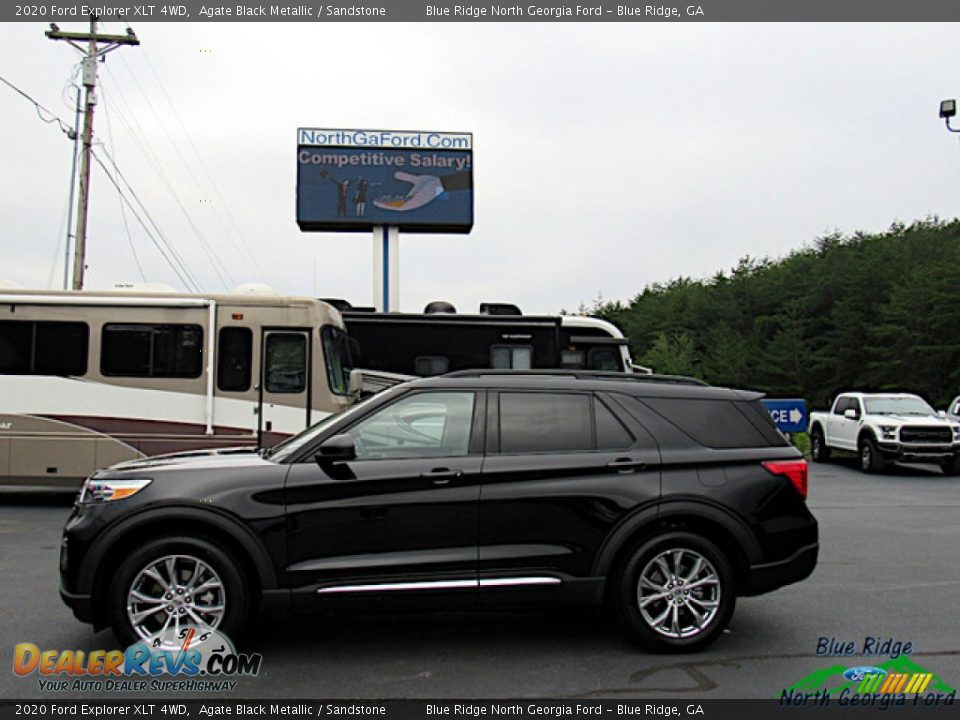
x: 43, y: 348
x: 716, y: 423
x: 148, y: 350
x: 545, y: 422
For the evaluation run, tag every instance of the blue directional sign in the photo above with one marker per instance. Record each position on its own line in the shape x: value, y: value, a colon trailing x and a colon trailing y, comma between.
x: 789, y: 415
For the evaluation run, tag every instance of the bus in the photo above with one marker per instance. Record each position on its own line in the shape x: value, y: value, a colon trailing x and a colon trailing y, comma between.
x: 89, y: 379
x: 440, y: 340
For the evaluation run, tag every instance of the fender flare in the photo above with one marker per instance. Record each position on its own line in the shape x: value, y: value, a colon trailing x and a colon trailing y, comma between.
x: 649, y: 515
x: 168, y: 514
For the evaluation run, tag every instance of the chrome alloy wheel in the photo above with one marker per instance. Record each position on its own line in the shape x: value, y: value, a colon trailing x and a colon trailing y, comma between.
x: 175, y: 591
x: 679, y: 593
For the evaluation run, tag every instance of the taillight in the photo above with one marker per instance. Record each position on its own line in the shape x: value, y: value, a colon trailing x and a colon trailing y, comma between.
x: 794, y: 470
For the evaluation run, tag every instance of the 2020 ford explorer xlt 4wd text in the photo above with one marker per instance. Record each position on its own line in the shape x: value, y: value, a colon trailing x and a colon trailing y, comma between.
x: 663, y: 497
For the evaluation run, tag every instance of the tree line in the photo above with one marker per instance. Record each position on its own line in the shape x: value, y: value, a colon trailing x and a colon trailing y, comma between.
x: 872, y: 312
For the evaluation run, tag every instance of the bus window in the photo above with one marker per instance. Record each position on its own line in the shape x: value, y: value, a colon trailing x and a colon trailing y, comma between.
x: 603, y: 359
x: 286, y: 365
x: 336, y: 354
x: 146, y: 350
x: 233, y: 361
x: 43, y: 348
x: 429, y: 365
x: 518, y: 357
x: 571, y: 359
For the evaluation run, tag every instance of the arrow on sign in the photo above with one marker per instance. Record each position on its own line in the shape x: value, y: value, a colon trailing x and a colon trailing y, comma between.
x: 795, y: 416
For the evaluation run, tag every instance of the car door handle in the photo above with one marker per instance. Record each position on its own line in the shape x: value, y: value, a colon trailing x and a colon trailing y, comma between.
x: 626, y: 465
x: 441, y: 476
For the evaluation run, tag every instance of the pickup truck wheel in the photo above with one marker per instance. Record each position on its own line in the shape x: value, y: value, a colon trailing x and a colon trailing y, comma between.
x: 871, y: 461
x: 819, y: 451
x: 951, y: 466
x: 675, y: 593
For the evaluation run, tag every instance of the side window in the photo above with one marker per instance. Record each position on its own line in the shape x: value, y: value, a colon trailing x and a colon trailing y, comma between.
x: 423, y: 425
x: 545, y: 422
x: 611, y: 434
x: 43, y: 348
x: 234, y: 359
x: 336, y: 355
x: 714, y: 423
x: 603, y: 359
x: 505, y: 357
x: 855, y: 406
x: 841, y: 405
x: 571, y: 359
x: 145, y: 350
x: 429, y: 365
x: 286, y: 363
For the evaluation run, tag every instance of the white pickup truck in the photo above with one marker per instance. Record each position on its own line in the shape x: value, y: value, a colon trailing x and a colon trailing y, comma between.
x: 884, y: 428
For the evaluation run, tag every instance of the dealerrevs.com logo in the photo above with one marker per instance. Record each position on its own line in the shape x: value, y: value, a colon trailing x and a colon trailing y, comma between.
x: 182, y: 660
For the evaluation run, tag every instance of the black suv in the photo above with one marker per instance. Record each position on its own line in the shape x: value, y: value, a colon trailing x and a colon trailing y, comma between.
x: 661, y: 496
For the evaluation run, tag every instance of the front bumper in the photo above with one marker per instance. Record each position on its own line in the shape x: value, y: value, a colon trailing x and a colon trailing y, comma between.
x: 918, y: 452
x: 769, y: 576
x: 82, y: 605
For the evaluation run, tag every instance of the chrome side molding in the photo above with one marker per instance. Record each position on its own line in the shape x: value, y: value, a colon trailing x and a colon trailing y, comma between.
x: 441, y: 585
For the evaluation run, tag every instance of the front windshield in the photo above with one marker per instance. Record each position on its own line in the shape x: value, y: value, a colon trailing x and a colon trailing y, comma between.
x: 290, y: 446
x: 897, y: 406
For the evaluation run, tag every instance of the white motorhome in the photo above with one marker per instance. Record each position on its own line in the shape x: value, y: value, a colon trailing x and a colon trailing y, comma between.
x: 88, y: 379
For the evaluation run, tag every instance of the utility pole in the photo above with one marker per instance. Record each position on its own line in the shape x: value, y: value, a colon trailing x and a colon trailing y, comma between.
x: 91, y: 54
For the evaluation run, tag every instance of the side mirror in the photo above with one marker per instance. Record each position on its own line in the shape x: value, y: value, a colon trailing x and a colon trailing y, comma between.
x: 336, y: 450
x: 356, y: 382
x: 941, y: 413
x: 850, y: 414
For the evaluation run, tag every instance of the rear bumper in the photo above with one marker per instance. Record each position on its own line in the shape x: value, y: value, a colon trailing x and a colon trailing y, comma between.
x: 766, y: 577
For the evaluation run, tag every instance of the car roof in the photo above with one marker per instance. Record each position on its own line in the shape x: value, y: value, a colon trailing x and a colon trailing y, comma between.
x: 557, y: 380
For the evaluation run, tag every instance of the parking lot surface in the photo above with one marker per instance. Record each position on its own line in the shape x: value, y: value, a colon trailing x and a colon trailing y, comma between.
x: 889, y: 569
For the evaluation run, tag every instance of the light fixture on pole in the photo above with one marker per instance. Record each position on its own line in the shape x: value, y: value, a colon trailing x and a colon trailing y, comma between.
x: 948, y: 108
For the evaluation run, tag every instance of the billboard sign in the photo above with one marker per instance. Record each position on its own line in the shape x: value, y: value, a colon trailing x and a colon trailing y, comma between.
x: 354, y: 180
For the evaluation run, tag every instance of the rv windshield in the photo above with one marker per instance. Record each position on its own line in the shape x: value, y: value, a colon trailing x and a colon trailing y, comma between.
x: 290, y: 446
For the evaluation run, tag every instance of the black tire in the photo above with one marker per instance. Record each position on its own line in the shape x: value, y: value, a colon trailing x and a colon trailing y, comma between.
x: 643, y: 562
x: 819, y: 452
x: 234, y: 599
x: 951, y: 466
x: 871, y: 461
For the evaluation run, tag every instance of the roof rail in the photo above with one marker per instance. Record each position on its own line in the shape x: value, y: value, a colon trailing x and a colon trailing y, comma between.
x: 579, y: 375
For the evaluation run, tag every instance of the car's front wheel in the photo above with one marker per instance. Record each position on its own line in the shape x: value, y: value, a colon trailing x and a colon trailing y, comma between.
x: 176, y: 582
x: 675, y: 593
x: 871, y: 461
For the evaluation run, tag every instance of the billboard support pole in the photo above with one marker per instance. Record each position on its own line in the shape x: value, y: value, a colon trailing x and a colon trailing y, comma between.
x: 386, y: 268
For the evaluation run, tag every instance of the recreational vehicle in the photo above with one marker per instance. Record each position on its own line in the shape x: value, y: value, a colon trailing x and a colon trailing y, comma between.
x: 89, y: 379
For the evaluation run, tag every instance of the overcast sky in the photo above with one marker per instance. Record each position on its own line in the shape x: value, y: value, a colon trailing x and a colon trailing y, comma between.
x: 607, y: 156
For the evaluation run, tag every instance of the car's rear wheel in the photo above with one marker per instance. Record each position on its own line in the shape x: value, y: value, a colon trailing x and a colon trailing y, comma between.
x: 871, y: 461
x: 675, y: 593
x: 819, y: 451
x: 176, y: 582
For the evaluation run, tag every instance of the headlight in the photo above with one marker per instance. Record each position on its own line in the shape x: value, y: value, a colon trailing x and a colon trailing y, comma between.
x: 889, y: 432
x: 956, y: 432
x: 104, y: 490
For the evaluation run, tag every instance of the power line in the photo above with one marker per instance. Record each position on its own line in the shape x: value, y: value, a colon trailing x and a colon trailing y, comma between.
x: 53, y: 118
x: 243, y: 249
x: 219, y: 268
x: 123, y: 211
x: 163, y: 245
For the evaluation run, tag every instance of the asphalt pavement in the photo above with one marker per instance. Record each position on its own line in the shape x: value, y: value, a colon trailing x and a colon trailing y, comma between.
x: 889, y: 569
